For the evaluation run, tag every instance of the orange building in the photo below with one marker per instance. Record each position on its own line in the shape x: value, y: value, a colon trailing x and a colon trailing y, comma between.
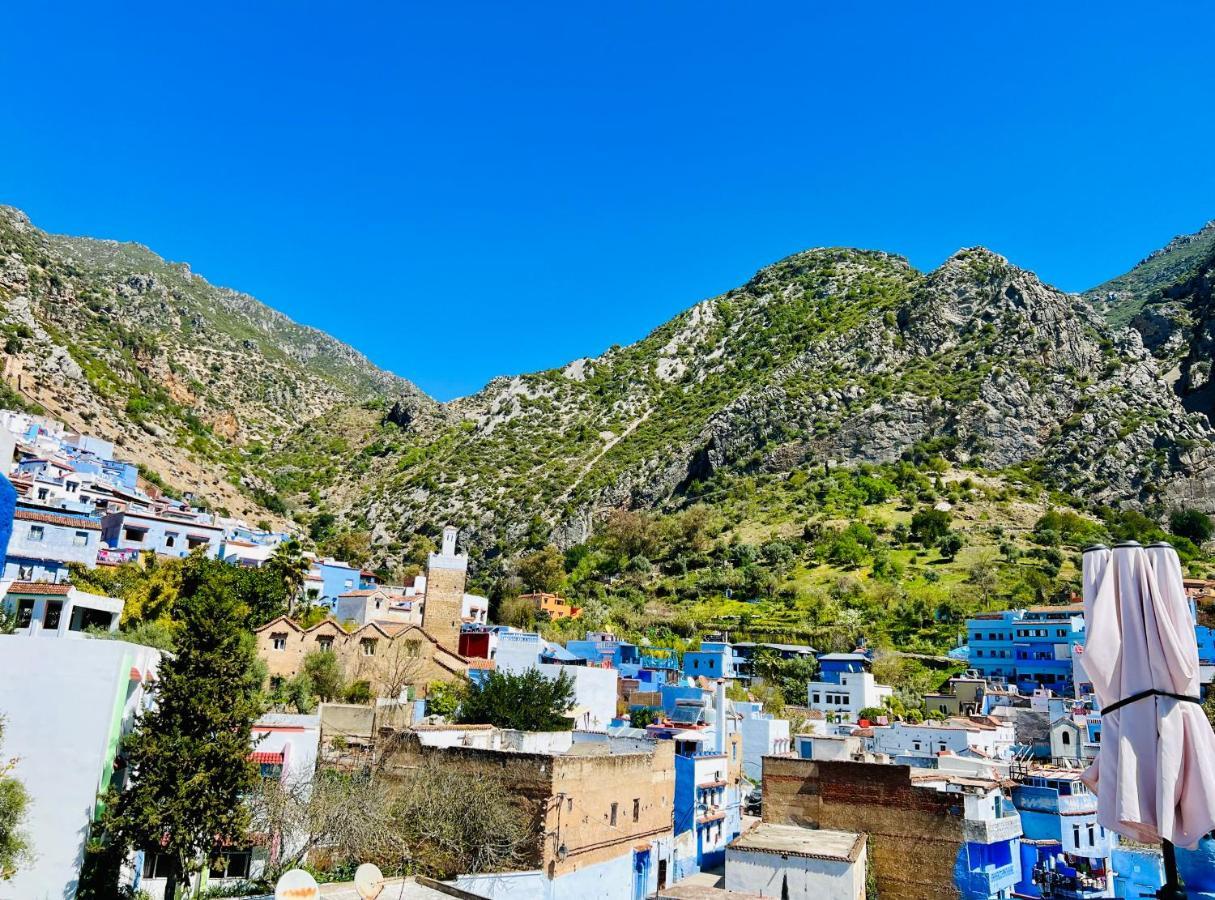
x: 556, y: 607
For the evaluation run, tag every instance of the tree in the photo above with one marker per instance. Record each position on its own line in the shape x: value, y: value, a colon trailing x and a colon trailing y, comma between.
x: 401, y: 666
x: 528, y: 701
x: 949, y: 544
x: 929, y: 525
x: 325, y: 673
x: 1192, y: 524
x: 14, y: 845
x: 642, y: 716
x: 454, y: 824
x: 291, y: 568
x: 189, y: 754
x: 543, y: 570
x: 443, y: 698
x: 350, y: 816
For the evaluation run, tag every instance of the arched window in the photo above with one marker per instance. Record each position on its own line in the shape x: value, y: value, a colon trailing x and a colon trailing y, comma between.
x: 1067, y: 737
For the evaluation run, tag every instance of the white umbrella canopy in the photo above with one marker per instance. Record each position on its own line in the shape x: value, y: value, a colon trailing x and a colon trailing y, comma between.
x: 1155, y: 775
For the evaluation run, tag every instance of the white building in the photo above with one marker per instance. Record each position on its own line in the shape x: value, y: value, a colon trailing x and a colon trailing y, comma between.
x: 58, y: 610
x: 286, y: 749
x: 67, y: 705
x: 854, y: 691
x: 905, y: 741
x: 595, y: 688
x: 762, y: 735
x: 377, y: 605
x: 795, y: 862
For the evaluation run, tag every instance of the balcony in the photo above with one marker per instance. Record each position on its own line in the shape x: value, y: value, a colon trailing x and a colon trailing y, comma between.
x: 991, y: 831
x: 992, y: 881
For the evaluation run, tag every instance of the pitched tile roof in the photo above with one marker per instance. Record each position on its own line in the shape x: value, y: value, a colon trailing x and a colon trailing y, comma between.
x: 50, y: 518
x: 39, y: 588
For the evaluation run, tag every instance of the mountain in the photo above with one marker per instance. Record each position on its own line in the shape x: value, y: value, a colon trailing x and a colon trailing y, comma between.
x: 830, y: 357
x: 1168, y: 299
x: 189, y: 379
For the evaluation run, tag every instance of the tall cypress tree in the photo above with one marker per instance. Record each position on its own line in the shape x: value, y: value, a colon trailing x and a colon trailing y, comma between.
x: 189, y: 754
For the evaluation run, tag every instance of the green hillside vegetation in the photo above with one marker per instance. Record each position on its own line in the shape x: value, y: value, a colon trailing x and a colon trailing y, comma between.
x: 897, y: 555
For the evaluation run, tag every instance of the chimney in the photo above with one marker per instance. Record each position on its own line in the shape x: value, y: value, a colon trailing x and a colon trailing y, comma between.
x: 720, y: 724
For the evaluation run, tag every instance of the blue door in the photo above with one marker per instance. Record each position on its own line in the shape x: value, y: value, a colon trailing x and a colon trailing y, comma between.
x: 641, y: 873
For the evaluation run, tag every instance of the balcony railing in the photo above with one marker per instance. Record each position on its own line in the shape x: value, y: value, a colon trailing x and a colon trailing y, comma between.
x: 995, y: 880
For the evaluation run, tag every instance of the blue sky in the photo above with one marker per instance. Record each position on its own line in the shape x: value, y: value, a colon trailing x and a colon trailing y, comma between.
x: 466, y: 190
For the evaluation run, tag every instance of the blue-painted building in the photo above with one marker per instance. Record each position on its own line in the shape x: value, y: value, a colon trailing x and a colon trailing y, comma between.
x: 714, y: 659
x: 602, y: 647
x: 45, y: 540
x: 1028, y: 648
x: 336, y: 579
x: 832, y: 665
x: 708, y: 802
x: 1066, y: 853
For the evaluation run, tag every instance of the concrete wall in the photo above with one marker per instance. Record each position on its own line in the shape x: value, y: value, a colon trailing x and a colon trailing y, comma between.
x: 66, y: 704
x: 904, y: 823
x: 784, y: 875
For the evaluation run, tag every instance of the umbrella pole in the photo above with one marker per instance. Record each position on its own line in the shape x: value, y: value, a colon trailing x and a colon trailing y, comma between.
x: 1172, y: 888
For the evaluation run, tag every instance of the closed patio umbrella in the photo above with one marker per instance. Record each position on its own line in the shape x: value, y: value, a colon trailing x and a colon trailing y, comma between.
x: 1155, y: 774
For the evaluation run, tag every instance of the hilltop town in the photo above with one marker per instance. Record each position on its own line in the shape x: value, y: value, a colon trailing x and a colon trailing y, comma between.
x: 592, y: 766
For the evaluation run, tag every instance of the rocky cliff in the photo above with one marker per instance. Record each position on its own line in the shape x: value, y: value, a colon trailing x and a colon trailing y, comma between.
x: 188, y: 378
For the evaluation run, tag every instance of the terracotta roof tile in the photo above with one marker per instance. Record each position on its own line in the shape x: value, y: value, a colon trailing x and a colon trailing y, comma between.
x: 39, y: 587
x: 50, y: 518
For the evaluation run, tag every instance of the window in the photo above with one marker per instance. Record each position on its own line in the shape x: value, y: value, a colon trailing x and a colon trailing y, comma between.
x: 368, y: 645
x: 80, y: 539
x: 42, y: 492
x: 25, y: 573
x: 156, y: 865
x: 614, y: 805
x: 313, y: 594
x: 36, y: 533
x: 270, y: 771
x: 193, y: 541
x: 25, y: 613
x: 1076, y: 834
x: 637, y: 814
x: 1067, y: 737
x: 134, y: 535
x: 349, y: 583
x: 695, y: 664
x: 377, y: 603
x: 413, y: 649
x: 54, y: 610
x: 1091, y: 836
x: 232, y: 864
x: 279, y: 640
x: 816, y: 697
x: 71, y: 486
x: 170, y: 539
x: 325, y: 643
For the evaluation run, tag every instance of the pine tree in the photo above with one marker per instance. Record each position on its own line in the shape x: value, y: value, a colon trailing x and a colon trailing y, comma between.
x: 189, y: 754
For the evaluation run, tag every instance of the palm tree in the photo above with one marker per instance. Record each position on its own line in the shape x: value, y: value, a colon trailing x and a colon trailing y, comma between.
x: 289, y: 564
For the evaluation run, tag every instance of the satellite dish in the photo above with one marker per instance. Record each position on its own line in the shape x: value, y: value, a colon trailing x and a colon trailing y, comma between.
x: 296, y: 884
x: 369, y: 881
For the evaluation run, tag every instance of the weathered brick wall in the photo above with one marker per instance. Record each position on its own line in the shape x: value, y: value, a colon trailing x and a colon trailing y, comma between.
x: 582, y: 820
x: 570, y: 797
x: 914, y: 833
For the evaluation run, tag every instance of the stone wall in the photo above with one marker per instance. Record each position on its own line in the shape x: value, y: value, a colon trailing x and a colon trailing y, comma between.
x: 914, y: 833
x: 401, y: 657
x: 444, y: 605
